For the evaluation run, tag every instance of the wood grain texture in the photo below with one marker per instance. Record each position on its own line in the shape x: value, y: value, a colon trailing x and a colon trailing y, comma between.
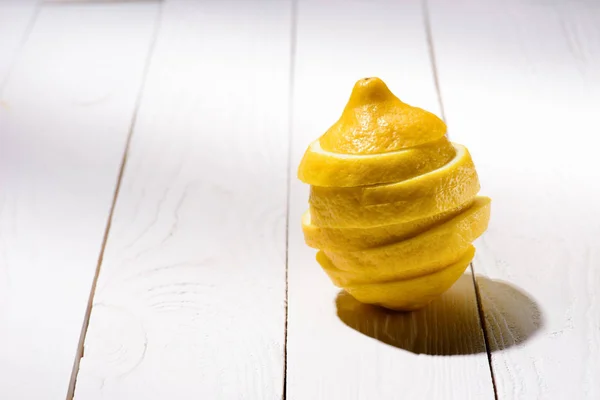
x: 338, y: 348
x: 68, y: 107
x: 520, y: 83
x: 190, y: 303
x: 15, y: 20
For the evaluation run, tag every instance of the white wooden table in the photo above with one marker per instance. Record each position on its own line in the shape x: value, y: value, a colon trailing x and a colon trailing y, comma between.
x: 150, y: 241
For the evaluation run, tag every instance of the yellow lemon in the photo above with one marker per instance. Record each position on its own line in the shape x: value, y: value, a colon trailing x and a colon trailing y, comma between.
x: 419, y: 255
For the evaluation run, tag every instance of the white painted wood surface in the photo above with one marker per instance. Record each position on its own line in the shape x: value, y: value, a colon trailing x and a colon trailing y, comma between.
x: 520, y: 82
x: 190, y: 303
x: 366, y: 353
x: 67, y: 110
x: 16, y: 18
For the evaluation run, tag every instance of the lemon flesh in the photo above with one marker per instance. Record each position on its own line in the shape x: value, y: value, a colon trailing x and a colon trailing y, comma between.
x: 347, y: 239
x: 423, y: 254
x: 393, y: 205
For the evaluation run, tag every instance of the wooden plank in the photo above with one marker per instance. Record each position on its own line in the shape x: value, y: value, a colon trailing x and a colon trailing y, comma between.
x: 521, y: 87
x: 69, y: 104
x: 338, y: 349
x: 16, y: 18
x: 190, y: 303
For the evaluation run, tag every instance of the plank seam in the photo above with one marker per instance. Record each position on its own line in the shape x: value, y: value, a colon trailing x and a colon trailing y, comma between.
x: 293, y: 41
x: 80, y: 347
x: 429, y: 36
x: 480, y: 310
x: 483, y: 324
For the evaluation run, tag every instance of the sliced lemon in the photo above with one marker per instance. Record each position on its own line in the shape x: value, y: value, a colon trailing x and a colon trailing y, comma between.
x: 393, y: 206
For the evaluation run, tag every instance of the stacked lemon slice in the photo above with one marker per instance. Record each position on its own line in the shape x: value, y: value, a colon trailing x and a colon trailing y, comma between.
x: 393, y: 204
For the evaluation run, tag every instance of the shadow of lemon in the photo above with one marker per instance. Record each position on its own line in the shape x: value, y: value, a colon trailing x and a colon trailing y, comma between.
x: 450, y: 325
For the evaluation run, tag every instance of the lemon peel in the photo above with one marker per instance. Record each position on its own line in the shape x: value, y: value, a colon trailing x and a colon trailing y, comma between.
x: 423, y: 196
x: 376, y: 121
x: 415, y: 293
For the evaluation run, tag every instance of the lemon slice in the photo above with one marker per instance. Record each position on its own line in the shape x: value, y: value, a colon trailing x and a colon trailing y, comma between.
x: 376, y: 121
x: 346, y: 239
x: 420, y: 255
x: 323, y: 168
x: 415, y: 293
x: 420, y: 197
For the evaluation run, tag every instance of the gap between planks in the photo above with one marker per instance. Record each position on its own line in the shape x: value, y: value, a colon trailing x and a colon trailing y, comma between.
x: 93, y: 2
x: 88, y: 311
x: 480, y: 309
x: 293, y: 40
x: 21, y: 45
